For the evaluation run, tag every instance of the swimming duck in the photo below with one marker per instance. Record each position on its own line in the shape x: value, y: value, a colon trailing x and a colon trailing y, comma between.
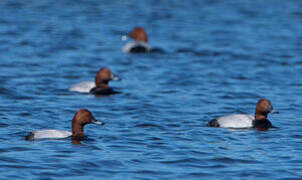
x: 258, y: 121
x: 80, y: 119
x: 140, y: 44
x: 99, y: 86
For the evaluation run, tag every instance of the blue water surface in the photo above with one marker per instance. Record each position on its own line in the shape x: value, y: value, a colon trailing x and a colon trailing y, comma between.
x: 220, y: 58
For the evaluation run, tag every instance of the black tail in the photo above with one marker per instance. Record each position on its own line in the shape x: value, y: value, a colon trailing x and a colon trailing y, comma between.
x: 213, y: 123
x: 30, y: 136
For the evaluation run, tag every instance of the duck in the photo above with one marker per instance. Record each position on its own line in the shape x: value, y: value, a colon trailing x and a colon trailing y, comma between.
x: 140, y: 44
x: 259, y: 121
x: 102, y: 78
x: 99, y: 86
x: 80, y: 119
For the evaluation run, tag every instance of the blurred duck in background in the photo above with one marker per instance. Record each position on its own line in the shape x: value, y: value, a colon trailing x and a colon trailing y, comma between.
x: 140, y: 43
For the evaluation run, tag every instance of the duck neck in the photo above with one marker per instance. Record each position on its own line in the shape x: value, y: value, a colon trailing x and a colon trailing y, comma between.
x: 260, y: 116
x: 103, y: 85
x: 141, y: 41
x: 77, y: 130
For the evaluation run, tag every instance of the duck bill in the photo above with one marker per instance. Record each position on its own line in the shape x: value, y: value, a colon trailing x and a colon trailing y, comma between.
x: 94, y: 121
x: 124, y: 38
x: 115, y: 77
x: 274, y: 112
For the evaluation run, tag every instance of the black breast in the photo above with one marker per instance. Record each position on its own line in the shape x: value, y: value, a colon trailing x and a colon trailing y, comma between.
x: 262, y: 125
x: 107, y: 91
x: 139, y: 49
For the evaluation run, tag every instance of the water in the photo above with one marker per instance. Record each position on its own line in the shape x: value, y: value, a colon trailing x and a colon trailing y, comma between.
x: 221, y: 57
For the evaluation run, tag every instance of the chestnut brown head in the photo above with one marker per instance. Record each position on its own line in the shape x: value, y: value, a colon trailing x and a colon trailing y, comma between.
x: 138, y: 34
x: 263, y: 107
x: 80, y: 119
x: 83, y: 116
x: 103, y: 76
